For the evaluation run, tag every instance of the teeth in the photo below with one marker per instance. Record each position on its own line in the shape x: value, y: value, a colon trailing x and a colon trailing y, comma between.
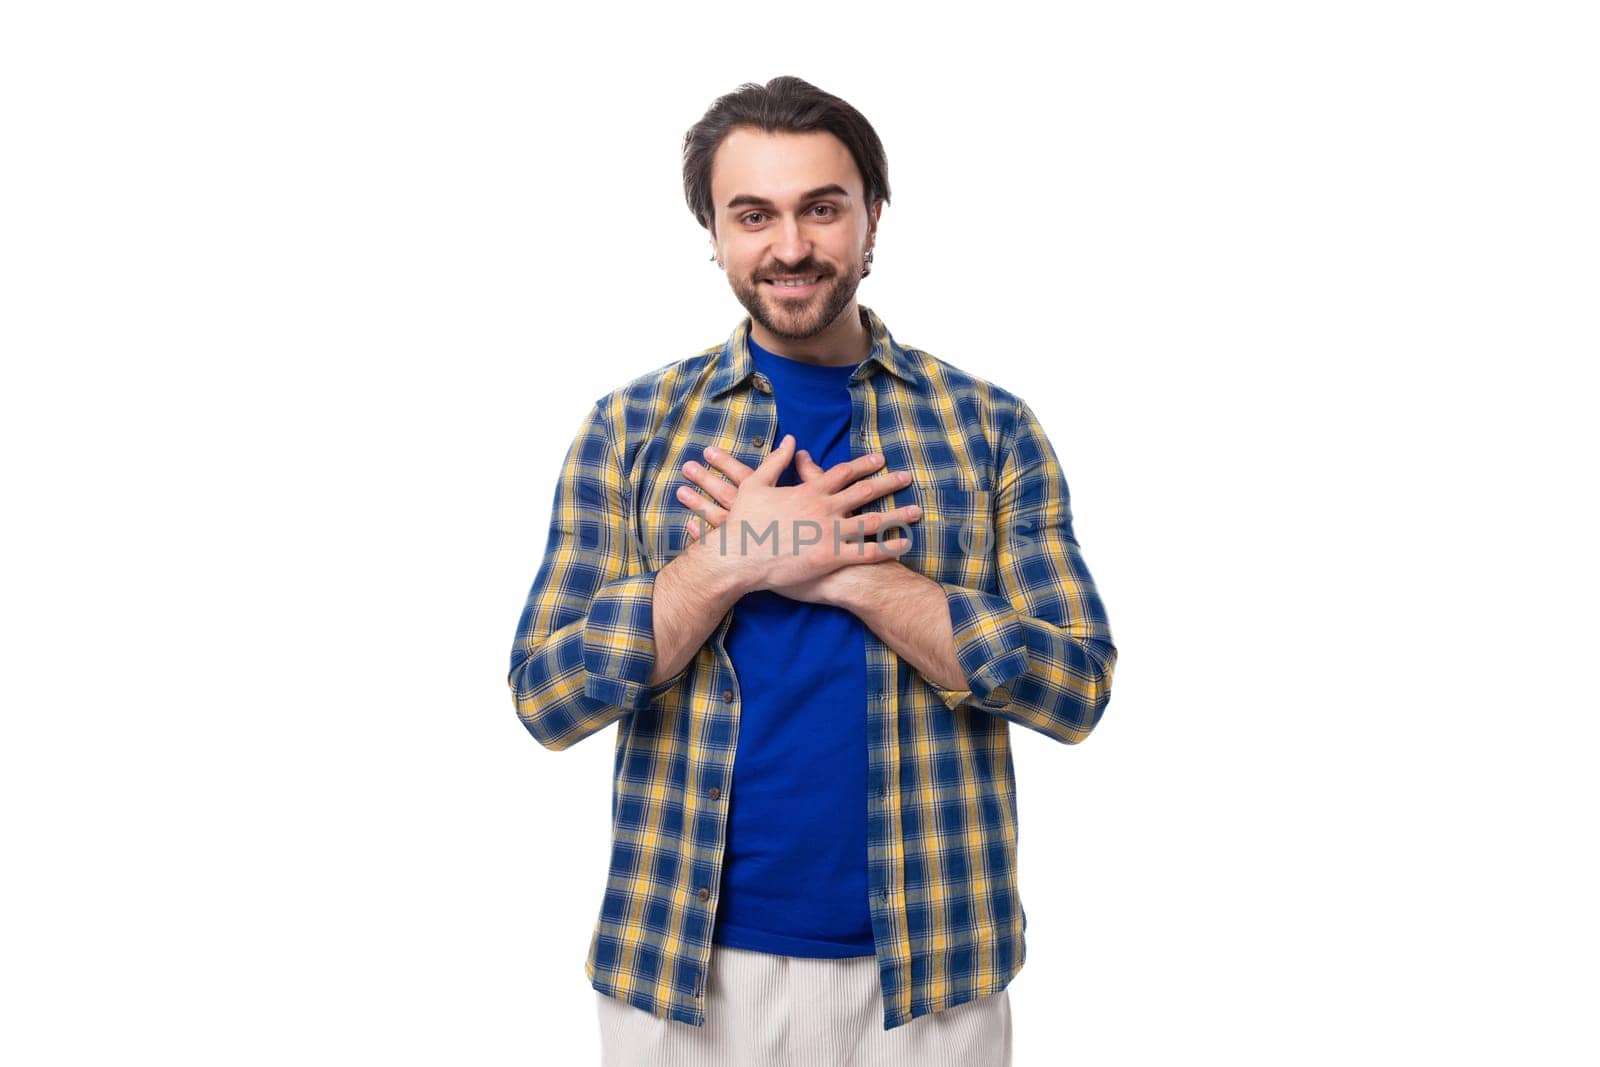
x: 801, y: 281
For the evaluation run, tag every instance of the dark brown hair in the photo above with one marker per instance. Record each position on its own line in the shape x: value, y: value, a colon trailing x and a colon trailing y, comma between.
x: 784, y: 105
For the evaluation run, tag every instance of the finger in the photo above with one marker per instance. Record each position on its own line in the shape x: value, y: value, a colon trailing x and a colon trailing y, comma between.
x: 776, y: 460
x: 701, y: 504
x: 696, y: 528
x: 875, y: 551
x: 808, y: 468
x: 842, y: 474
x: 729, y: 465
x: 873, y: 522
x: 711, y: 484
x: 869, y: 489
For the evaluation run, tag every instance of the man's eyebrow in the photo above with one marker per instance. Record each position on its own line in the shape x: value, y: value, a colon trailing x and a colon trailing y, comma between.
x: 748, y: 199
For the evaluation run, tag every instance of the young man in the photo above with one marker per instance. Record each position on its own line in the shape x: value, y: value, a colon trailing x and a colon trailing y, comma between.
x: 813, y: 575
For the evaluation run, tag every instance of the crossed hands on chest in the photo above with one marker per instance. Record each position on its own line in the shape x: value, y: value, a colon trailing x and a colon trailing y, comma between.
x: 800, y: 541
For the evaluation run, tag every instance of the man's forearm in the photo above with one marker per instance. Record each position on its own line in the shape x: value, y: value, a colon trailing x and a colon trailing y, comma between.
x: 911, y: 614
x: 692, y: 594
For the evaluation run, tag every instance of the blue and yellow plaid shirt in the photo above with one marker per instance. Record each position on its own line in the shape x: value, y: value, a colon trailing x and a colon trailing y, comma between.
x: 1032, y: 635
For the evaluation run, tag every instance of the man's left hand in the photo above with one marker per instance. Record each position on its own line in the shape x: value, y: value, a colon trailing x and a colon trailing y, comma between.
x: 838, y: 587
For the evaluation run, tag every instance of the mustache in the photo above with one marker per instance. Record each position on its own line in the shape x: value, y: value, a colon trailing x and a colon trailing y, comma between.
x: 806, y: 267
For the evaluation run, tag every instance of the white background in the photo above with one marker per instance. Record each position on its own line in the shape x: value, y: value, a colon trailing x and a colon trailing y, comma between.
x: 302, y: 304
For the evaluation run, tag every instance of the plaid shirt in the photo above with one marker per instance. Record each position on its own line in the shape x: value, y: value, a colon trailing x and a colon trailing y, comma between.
x: 1032, y: 636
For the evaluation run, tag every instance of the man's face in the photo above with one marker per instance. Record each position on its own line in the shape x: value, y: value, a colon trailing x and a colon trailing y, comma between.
x: 790, y: 207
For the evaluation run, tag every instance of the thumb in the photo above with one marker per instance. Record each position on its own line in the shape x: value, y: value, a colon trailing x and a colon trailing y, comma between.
x: 776, y: 461
x: 809, y: 471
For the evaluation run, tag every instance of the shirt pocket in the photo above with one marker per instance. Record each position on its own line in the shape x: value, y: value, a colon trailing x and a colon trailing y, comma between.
x: 660, y: 519
x: 659, y: 522
x: 953, y: 541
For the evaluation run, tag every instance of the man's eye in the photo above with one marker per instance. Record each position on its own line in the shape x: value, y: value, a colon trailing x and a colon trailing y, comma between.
x: 750, y: 218
x: 828, y: 208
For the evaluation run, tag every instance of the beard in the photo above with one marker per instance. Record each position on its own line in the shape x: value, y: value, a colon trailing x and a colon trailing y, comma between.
x: 798, y: 320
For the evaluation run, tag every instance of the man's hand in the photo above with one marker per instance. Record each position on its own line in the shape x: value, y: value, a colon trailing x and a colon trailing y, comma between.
x: 820, y: 572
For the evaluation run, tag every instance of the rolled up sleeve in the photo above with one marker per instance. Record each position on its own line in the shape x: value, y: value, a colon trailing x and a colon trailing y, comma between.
x: 585, y: 645
x: 1041, y: 655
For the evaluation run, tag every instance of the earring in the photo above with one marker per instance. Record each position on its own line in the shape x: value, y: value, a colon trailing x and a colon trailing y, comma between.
x: 866, y: 264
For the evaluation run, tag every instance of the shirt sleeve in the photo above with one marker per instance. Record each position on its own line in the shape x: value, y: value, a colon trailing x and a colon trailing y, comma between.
x: 585, y: 646
x: 1041, y: 654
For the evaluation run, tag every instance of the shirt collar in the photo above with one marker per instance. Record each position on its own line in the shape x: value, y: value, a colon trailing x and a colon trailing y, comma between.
x: 734, y: 364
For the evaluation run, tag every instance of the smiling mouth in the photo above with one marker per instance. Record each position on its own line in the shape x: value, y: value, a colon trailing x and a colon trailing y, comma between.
x: 793, y: 285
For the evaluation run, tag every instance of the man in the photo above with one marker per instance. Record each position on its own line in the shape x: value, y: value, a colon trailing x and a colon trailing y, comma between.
x: 813, y: 653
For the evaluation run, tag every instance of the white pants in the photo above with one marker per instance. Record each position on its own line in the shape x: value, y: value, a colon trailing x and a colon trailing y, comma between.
x: 764, y: 1010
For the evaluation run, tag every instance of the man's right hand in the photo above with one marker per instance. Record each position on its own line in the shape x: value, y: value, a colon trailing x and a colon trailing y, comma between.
x: 766, y: 536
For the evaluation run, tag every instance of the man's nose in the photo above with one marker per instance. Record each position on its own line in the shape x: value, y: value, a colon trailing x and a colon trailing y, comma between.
x: 791, y: 245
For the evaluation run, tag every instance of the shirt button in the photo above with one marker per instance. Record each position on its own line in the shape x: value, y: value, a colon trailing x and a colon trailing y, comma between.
x: 714, y: 793
x: 759, y: 442
x: 727, y: 695
x: 704, y: 894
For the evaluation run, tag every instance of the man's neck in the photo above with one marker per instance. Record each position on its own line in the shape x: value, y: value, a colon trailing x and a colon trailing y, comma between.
x: 845, y: 342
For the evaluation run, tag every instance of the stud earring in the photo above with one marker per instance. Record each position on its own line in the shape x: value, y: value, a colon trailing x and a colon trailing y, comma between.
x: 866, y: 264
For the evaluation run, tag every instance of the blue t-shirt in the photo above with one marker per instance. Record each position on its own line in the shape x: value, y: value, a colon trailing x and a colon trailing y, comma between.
x: 794, y: 877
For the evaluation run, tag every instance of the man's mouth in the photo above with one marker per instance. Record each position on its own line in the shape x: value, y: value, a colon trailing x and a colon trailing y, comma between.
x: 794, y: 285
